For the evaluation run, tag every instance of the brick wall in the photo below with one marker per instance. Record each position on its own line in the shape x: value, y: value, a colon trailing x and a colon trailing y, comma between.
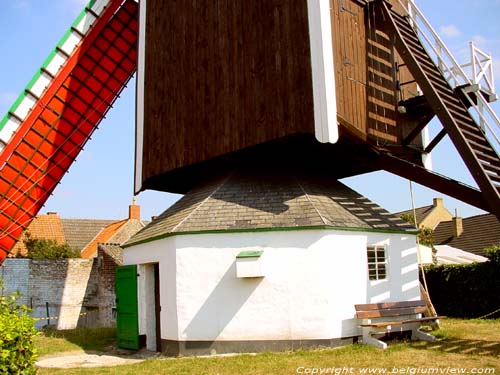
x: 109, y: 258
x: 10, y: 272
x: 62, y: 284
x: 67, y: 287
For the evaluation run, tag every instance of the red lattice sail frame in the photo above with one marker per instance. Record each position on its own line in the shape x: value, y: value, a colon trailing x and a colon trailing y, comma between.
x: 65, y: 116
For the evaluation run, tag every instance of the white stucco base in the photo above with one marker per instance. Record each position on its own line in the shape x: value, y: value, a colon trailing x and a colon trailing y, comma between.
x: 312, y: 279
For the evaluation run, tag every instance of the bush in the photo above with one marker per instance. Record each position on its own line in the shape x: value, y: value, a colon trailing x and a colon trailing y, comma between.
x: 17, y: 329
x: 41, y: 248
x: 493, y: 253
x: 425, y: 235
x: 466, y: 290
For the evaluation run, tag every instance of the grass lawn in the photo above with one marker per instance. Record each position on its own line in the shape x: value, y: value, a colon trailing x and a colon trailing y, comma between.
x: 460, y: 344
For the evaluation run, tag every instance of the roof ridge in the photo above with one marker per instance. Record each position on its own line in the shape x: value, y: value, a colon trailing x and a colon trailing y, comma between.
x: 416, y: 208
x: 201, y: 203
x: 310, y: 201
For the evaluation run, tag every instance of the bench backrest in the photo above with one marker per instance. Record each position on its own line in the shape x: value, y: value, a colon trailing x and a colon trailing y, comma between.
x: 389, y: 309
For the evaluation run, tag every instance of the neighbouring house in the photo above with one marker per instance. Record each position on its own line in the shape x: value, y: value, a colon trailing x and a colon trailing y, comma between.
x: 256, y: 261
x: 472, y: 234
x: 429, y: 216
x: 76, y: 291
x: 116, y: 233
x: 77, y: 233
x: 444, y: 254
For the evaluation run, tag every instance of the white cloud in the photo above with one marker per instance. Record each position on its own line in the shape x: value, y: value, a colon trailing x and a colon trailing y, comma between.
x: 450, y: 31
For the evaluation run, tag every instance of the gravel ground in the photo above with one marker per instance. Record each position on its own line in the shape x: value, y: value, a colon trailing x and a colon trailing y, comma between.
x: 92, y: 359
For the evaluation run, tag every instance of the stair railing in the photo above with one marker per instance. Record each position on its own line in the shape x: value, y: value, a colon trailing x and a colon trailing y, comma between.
x: 481, y: 111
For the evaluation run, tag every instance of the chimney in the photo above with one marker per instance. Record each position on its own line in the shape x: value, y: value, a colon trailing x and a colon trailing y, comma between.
x: 134, y: 211
x: 458, y: 226
x: 437, y: 202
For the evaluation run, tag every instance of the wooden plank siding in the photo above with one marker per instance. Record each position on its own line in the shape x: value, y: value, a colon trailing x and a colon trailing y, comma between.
x: 349, y: 39
x: 222, y: 76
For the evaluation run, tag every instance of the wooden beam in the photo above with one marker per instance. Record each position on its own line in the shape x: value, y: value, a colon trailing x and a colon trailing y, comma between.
x: 438, y: 138
x: 433, y: 180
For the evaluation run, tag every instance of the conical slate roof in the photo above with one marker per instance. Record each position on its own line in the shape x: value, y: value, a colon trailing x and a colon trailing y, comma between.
x: 257, y: 200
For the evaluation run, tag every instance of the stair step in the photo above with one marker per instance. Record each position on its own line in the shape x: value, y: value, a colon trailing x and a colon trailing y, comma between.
x: 443, y: 88
x: 453, y: 103
x: 432, y: 71
x: 421, y: 57
x: 471, y: 128
x: 409, y: 34
x: 495, y: 178
x: 488, y: 152
x: 402, y: 21
x: 479, y: 138
x: 492, y: 167
x: 479, y: 147
x: 463, y: 118
x: 415, y: 44
x: 429, y: 64
x: 487, y: 157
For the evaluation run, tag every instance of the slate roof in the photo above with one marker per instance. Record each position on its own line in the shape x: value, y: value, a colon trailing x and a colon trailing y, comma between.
x: 79, y: 232
x: 420, y: 213
x: 113, y: 250
x: 252, y: 200
x: 480, y: 232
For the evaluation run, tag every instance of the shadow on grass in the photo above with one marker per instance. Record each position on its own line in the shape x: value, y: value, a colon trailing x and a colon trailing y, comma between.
x: 461, y: 346
x: 88, y: 339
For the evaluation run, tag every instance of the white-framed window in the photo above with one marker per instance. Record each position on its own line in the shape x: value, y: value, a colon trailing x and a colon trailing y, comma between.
x: 377, y: 262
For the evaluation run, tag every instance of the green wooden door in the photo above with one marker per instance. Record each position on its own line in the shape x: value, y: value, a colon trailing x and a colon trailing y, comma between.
x: 127, y: 313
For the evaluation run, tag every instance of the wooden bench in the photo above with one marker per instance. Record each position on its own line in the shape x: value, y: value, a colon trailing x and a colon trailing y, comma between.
x: 379, y: 318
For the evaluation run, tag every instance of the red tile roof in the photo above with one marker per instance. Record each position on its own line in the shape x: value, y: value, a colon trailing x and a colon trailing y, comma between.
x: 104, y: 236
x: 43, y: 226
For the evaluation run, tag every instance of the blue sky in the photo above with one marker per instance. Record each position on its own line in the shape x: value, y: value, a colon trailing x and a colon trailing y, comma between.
x: 100, y: 182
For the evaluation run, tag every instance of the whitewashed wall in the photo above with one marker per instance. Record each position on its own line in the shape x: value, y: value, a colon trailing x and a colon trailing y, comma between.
x: 313, y: 279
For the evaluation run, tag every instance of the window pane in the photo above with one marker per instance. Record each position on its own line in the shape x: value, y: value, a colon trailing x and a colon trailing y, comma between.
x: 376, y: 262
x: 381, y: 271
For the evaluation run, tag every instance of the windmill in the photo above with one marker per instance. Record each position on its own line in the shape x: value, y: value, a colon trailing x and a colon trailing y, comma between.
x: 340, y: 88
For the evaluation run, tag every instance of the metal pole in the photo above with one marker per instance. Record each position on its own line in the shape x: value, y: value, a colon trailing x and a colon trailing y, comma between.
x: 48, y: 315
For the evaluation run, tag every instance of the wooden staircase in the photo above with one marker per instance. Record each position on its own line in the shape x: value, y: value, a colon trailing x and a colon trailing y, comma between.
x: 479, y: 155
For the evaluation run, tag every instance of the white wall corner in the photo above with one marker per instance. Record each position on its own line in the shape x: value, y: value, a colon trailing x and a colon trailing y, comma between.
x: 323, y: 71
x: 139, y: 98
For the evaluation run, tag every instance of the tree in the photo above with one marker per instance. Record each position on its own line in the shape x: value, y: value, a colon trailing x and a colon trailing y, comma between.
x: 425, y: 235
x: 493, y: 253
x: 42, y: 248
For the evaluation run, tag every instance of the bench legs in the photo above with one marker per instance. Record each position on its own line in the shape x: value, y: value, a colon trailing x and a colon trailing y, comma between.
x: 417, y: 334
x: 368, y: 339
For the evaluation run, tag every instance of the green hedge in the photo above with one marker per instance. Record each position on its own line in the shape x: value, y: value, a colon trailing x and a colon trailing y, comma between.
x: 17, y: 329
x: 466, y: 291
